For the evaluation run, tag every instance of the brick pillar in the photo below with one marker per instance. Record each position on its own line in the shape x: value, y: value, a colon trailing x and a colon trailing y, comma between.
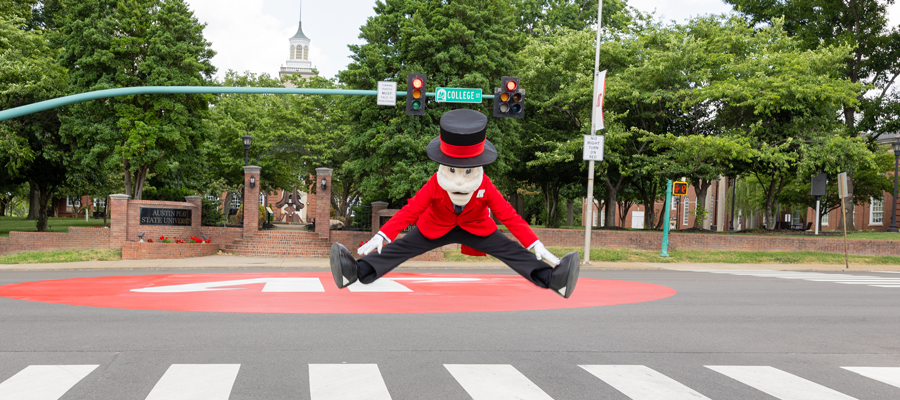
x: 118, y: 220
x: 197, y: 214
x: 323, y: 203
x: 376, y: 219
x: 251, y: 200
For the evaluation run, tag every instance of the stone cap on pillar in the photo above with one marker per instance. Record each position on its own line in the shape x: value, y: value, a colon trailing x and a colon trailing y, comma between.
x: 252, y: 169
x: 379, y: 204
x: 193, y: 198
x: 119, y: 197
x: 324, y: 171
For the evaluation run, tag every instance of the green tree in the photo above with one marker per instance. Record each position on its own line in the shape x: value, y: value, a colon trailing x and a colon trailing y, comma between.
x: 109, y: 44
x: 467, y: 43
x: 782, y: 98
x: 30, y: 149
x: 874, y: 59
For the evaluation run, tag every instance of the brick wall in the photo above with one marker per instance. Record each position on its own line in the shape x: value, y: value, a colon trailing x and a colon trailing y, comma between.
x: 145, y: 250
x: 75, y: 238
x: 698, y: 241
x: 155, y: 231
x: 222, y: 236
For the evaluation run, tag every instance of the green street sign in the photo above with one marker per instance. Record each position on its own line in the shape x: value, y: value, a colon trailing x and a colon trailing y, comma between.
x: 457, y: 95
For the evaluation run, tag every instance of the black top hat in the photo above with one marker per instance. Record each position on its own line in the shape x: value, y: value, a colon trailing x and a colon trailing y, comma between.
x: 462, y: 142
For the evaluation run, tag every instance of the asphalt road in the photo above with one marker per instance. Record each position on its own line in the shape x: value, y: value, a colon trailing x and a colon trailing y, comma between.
x: 722, y: 336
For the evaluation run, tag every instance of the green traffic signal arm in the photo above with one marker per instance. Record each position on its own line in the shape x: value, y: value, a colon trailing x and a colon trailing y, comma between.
x: 130, y: 91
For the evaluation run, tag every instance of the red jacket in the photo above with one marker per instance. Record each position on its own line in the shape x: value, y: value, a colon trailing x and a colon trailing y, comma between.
x: 432, y: 212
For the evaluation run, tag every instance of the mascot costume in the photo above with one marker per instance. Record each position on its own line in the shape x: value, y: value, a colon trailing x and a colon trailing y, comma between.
x: 452, y: 207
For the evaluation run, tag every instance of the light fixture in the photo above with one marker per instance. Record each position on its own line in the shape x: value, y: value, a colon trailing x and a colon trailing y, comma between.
x: 247, y: 141
x: 324, y: 183
x: 141, y: 236
x: 252, y: 181
x: 896, y: 145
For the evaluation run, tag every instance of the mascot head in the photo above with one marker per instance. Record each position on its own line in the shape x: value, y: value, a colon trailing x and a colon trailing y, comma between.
x: 462, y: 149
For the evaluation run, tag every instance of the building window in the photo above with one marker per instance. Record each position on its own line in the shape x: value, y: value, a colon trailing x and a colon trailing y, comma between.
x: 876, y: 211
x: 687, y: 210
x: 306, y: 52
x: 69, y: 202
x: 99, y: 202
x: 825, y: 219
x: 673, y: 207
x: 262, y: 199
x: 293, y: 52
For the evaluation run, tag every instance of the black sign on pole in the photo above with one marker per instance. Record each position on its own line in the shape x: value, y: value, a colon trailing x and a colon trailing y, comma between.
x: 165, y: 216
x: 819, y: 183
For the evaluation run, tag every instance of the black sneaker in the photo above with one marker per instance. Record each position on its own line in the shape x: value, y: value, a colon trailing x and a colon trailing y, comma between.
x: 565, y: 275
x: 343, y: 266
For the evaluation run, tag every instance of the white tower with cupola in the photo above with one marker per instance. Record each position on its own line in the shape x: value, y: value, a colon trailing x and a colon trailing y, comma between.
x: 298, y: 59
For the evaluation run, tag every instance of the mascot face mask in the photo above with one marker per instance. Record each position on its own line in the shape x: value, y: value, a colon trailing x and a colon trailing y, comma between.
x: 460, y: 183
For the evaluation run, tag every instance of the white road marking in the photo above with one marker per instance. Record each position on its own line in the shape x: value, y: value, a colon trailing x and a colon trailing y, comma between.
x: 43, y: 382
x: 495, y: 382
x: 272, y: 285
x: 875, y: 281
x: 779, y: 384
x: 346, y: 382
x: 196, y: 382
x: 385, y: 285
x: 639, y: 382
x: 889, y: 375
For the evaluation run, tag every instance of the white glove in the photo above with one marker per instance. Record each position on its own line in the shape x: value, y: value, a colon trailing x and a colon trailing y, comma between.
x: 376, y: 242
x: 541, y: 252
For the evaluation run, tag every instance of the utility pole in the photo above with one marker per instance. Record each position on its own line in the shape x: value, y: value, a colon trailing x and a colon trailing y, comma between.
x: 589, y: 218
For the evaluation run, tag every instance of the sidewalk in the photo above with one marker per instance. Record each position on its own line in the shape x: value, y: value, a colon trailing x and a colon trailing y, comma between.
x: 239, y: 262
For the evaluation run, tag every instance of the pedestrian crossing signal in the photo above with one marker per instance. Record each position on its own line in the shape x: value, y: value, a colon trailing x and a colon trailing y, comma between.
x: 679, y: 188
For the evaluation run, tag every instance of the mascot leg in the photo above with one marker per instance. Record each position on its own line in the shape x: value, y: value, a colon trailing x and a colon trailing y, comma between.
x: 369, y: 268
x: 561, y: 279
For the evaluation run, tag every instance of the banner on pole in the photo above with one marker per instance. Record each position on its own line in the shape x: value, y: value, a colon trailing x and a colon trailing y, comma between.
x: 599, y: 94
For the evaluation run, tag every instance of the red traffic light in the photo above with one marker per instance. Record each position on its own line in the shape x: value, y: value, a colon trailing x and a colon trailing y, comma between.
x: 417, y: 83
x: 511, y: 85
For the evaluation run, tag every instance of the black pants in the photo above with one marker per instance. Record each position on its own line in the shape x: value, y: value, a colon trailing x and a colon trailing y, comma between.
x: 375, y: 265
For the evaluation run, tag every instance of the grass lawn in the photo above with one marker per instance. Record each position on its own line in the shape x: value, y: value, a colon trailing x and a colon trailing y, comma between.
x: 60, y: 256
x: 8, y: 224
x: 697, y: 256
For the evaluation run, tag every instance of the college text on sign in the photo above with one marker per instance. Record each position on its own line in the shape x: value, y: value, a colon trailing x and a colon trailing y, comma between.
x: 165, y: 216
x: 593, y: 147
x: 679, y: 188
x: 457, y: 95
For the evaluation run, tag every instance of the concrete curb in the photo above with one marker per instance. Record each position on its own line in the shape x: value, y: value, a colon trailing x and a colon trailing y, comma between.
x: 240, y: 262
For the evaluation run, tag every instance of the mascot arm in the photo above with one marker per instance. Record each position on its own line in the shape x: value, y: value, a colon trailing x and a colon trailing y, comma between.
x: 411, y: 211
x: 508, y: 216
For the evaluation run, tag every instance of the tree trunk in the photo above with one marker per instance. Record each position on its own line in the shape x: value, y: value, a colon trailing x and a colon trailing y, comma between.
x: 127, y: 179
x: 702, y: 188
x: 140, y: 177
x: 611, y: 201
x: 43, y: 195
x: 570, y: 212
x: 551, y: 199
x: 34, y: 207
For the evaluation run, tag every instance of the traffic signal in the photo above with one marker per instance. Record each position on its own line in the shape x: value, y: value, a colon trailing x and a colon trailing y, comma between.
x: 679, y: 188
x: 415, y: 94
x: 509, y: 99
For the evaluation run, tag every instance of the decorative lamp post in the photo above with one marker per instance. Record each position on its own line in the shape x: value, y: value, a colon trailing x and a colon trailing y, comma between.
x: 247, y: 141
x: 733, y: 198
x: 893, y: 227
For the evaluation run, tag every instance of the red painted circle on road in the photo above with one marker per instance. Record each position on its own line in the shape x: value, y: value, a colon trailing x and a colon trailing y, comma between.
x: 315, y: 293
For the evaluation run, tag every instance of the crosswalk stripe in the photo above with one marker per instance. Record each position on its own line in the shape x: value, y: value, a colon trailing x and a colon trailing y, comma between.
x: 495, y: 382
x: 43, y: 382
x: 779, y: 384
x: 874, y: 281
x: 346, y: 382
x: 639, y: 382
x: 889, y: 375
x: 195, y: 382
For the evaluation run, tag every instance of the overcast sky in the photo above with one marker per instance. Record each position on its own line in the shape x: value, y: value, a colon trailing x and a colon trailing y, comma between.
x: 252, y: 35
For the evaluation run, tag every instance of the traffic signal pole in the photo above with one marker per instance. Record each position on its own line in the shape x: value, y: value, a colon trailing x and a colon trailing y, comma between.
x: 589, y: 207
x: 131, y: 91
